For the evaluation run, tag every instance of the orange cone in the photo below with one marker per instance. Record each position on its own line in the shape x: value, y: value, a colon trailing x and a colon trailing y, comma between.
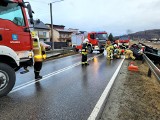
x: 132, y: 67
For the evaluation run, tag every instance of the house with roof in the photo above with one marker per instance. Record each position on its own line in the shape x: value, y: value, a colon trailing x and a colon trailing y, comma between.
x: 60, y: 34
x: 42, y: 30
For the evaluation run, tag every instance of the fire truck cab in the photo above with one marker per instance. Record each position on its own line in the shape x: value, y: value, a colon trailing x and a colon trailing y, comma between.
x: 15, y: 41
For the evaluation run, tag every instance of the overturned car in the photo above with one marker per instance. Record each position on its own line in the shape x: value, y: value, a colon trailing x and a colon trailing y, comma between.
x: 151, y: 53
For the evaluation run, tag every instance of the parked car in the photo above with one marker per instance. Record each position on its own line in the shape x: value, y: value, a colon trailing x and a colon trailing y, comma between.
x: 47, y: 47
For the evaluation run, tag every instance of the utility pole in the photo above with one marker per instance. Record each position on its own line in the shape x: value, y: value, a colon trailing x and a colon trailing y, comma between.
x: 52, y: 39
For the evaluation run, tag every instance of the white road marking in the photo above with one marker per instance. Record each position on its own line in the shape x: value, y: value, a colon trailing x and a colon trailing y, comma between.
x: 19, y: 87
x: 100, y: 104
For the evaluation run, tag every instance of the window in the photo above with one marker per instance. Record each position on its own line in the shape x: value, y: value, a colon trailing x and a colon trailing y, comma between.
x: 92, y: 36
x: 13, y: 13
x: 102, y: 36
x: 44, y: 34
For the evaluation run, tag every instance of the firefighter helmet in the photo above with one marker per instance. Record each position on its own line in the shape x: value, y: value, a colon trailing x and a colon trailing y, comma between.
x: 115, y: 45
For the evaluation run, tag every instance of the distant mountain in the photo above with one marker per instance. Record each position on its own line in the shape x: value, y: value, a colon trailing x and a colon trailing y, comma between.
x: 147, y: 34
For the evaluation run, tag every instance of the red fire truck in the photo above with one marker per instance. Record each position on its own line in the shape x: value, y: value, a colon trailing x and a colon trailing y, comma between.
x: 15, y: 41
x: 123, y: 40
x: 96, y: 40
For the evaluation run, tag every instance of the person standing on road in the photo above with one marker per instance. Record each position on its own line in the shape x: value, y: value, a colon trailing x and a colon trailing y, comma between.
x: 84, y: 53
x: 108, y: 43
x: 109, y: 51
x: 39, y: 56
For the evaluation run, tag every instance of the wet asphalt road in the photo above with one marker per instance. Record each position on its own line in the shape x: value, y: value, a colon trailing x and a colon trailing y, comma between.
x: 67, y: 91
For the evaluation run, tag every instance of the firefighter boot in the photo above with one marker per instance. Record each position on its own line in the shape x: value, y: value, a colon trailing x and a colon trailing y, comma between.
x: 86, y: 63
x: 83, y: 63
x: 37, y: 76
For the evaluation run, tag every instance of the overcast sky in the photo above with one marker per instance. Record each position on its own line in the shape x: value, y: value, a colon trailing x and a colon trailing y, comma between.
x: 113, y: 16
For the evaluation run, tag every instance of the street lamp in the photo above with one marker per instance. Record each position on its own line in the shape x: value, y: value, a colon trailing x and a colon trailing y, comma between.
x: 52, y: 22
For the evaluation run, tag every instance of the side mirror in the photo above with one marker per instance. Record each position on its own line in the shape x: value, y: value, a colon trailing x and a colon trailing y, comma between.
x: 92, y: 36
x: 30, y: 13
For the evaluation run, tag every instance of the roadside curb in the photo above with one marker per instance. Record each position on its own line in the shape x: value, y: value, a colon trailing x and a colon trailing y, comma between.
x: 98, y: 109
x: 52, y: 55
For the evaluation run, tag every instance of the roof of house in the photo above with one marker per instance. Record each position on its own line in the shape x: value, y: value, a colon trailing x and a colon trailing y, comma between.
x: 55, y: 25
x: 60, y: 30
x: 73, y: 29
x: 40, y: 25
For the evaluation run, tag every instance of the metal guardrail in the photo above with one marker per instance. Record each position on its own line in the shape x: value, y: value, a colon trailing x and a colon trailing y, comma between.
x: 63, y: 50
x: 57, y: 52
x: 152, y: 67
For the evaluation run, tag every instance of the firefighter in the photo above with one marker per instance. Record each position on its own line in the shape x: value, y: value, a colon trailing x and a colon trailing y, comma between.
x: 123, y: 46
x: 84, y: 53
x: 108, y: 43
x: 109, y: 50
x: 129, y: 54
x: 39, y: 56
x: 116, y: 52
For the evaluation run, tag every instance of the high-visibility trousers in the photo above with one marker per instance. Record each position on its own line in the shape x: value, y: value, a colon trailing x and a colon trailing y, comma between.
x: 109, y: 54
x: 129, y: 54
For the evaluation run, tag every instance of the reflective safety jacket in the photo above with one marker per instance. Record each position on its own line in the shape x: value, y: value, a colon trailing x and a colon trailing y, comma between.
x: 108, y: 43
x: 84, y: 49
x: 109, y: 48
x: 39, y: 51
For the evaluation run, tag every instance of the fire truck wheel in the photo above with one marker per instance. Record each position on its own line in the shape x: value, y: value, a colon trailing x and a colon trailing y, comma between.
x: 7, y: 79
x: 90, y: 49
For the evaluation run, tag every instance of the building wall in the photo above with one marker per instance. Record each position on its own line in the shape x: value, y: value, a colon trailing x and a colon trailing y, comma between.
x: 59, y: 36
x: 56, y: 35
x: 43, y: 35
x: 64, y: 36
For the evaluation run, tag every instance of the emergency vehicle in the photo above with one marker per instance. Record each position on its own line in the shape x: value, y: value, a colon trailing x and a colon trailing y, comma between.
x: 123, y: 40
x: 96, y: 41
x: 16, y: 44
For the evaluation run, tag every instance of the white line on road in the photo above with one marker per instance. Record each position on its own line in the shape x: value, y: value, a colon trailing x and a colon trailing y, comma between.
x: 19, y: 87
x: 100, y: 104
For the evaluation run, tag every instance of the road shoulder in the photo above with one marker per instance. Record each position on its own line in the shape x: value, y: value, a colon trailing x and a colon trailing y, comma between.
x: 133, y: 96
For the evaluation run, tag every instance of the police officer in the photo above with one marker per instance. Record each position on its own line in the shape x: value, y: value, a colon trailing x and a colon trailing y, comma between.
x: 84, y: 53
x: 39, y: 56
